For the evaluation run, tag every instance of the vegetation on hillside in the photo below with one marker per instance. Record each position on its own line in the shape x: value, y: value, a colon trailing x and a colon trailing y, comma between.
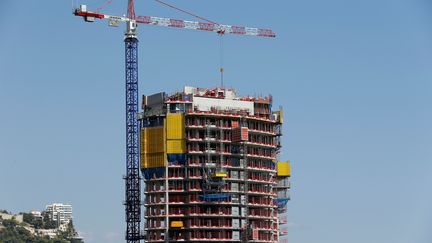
x: 44, y: 223
x: 13, y: 232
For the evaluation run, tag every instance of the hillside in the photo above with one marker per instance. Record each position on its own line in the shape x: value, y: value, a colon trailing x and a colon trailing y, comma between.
x: 33, y: 229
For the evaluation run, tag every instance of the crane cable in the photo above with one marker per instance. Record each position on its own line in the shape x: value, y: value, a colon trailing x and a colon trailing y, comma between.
x: 103, y: 5
x: 186, y: 12
x: 221, y: 56
x: 221, y: 34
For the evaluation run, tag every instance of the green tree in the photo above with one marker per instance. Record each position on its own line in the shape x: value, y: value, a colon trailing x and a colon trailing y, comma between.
x: 48, y: 223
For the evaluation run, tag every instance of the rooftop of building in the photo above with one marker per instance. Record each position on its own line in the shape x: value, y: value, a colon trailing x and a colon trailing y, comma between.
x: 208, y: 100
x: 215, y: 93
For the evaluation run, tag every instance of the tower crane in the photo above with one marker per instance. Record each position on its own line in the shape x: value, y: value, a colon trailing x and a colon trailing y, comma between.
x: 132, y: 177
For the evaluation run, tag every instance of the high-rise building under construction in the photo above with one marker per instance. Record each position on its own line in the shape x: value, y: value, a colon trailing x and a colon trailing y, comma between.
x: 210, y: 161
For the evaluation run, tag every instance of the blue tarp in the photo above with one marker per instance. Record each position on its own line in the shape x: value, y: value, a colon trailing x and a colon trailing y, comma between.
x: 281, y: 202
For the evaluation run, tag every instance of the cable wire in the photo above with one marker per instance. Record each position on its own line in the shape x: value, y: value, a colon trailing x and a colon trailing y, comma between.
x: 184, y: 11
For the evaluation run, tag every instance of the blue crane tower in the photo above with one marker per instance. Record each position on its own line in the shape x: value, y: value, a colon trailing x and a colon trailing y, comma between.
x: 132, y: 178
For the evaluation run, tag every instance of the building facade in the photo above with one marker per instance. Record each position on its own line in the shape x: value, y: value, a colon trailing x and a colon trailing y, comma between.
x: 210, y: 162
x: 60, y: 213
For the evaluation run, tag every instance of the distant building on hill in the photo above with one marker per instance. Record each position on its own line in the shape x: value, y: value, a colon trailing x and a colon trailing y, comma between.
x: 9, y: 216
x: 60, y: 213
x: 36, y: 214
x: 35, y: 222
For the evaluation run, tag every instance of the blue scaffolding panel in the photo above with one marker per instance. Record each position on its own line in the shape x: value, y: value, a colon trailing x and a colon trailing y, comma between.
x: 214, y: 197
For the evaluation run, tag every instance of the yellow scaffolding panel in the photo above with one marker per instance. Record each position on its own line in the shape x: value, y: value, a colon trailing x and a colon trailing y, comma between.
x: 177, y: 146
x: 152, y: 139
x: 153, y: 160
x: 279, y: 115
x: 175, y: 126
x: 152, y: 147
x: 284, y: 168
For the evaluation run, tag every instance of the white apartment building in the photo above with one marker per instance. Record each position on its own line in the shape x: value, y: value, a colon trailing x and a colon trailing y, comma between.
x: 37, y: 214
x: 61, y: 213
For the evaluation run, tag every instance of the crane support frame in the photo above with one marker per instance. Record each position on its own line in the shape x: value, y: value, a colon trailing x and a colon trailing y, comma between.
x: 133, y: 179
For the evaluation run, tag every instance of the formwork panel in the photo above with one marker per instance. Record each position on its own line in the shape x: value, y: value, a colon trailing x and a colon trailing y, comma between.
x: 175, y: 126
x: 283, y: 168
x: 153, y: 160
x: 177, y: 146
x: 279, y: 116
x: 152, y: 140
x: 152, y: 147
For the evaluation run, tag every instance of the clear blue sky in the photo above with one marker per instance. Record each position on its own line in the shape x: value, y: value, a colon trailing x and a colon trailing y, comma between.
x: 354, y: 78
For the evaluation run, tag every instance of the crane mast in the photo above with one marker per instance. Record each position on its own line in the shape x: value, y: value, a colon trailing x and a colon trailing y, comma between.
x: 132, y: 177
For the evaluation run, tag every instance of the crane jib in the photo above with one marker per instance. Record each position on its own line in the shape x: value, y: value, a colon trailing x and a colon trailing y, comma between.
x: 177, y: 23
x: 193, y: 25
